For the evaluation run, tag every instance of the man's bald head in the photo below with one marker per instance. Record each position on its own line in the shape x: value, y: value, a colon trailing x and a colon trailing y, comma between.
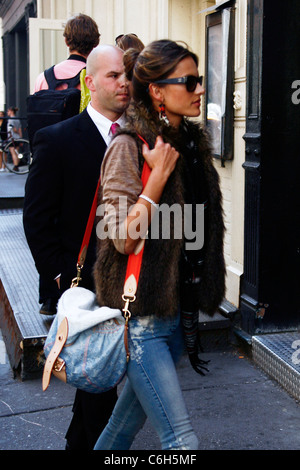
x: 99, y: 55
x: 105, y: 78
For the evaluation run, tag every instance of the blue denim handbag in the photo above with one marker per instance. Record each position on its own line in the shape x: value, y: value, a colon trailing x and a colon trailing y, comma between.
x: 85, y: 346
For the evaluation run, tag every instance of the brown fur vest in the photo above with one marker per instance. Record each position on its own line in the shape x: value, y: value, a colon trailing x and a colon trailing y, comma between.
x: 158, y: 288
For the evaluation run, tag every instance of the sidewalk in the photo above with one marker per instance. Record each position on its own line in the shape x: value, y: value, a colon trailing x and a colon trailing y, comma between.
x: 236, y: 406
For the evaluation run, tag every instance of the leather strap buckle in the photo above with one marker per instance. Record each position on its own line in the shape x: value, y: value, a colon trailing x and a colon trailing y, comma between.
x: 50, y: 364
x: 59, y: 365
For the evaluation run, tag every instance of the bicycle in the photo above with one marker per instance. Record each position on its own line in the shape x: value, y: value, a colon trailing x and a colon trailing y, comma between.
x: 21, y: 149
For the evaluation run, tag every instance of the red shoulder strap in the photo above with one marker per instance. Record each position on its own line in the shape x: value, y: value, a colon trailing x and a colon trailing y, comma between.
x: 135, y: 260
x: 88, y: 230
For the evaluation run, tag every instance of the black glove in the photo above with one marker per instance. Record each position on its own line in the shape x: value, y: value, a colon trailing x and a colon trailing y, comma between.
x: 198, y: 364
x: 190, y: 329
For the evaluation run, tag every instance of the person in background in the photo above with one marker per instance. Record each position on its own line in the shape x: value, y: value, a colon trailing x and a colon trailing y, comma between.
x: 14, y: 130
x: 128, y: 41
x: 131, y: 44
x: 3, y: 137
x: 81, y: 36
x: 58, y: 198
x: 176, y: 280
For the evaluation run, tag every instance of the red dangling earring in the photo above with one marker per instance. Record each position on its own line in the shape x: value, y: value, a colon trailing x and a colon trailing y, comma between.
x: 162, y: 114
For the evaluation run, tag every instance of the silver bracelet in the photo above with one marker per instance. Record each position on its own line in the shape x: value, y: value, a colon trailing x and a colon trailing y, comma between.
x: 149, y: 200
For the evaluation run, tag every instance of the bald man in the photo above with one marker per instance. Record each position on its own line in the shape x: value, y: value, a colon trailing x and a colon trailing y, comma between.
x: 58, y: 197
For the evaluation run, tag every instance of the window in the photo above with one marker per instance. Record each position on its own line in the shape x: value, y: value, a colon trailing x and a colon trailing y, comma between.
x: 220, y: 81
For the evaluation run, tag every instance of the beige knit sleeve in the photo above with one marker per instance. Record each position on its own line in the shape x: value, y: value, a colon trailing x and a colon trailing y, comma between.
x: 121, y: 184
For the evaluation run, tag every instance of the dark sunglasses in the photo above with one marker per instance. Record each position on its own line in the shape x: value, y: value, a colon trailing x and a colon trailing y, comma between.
x: 190, y: 82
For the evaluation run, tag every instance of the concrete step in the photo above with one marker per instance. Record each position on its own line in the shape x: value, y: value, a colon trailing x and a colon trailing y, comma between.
x: 278, y: 354
x: 216, y: 332
x: 23, y: 327
x: 11, y: 190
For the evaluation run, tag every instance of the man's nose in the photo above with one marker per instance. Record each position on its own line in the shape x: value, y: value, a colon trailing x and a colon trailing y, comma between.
x: 124, y: 81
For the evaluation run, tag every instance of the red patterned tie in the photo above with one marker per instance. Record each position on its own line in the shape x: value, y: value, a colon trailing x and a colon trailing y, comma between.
x: 114, y: 127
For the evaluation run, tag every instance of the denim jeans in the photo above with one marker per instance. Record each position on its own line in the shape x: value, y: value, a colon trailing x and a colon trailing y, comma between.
x: 152, y: 389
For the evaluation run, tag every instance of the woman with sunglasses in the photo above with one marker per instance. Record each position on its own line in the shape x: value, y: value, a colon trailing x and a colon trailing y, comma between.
x: 175, y: 281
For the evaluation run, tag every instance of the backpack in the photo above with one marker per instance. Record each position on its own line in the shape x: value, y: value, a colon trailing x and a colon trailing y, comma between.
x: 47, y: 107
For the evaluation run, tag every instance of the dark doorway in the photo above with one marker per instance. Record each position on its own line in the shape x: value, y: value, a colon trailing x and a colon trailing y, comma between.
x: 269, y: 300
x: 16, y: 76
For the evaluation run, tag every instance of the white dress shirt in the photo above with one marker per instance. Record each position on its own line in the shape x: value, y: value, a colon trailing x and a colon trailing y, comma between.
x: 103, y: 124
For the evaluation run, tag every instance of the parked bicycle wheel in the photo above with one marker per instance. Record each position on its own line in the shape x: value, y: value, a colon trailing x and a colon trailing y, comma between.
x: 17, y: 156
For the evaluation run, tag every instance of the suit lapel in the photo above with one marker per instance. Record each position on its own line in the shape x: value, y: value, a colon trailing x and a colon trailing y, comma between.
x: 89, y: 134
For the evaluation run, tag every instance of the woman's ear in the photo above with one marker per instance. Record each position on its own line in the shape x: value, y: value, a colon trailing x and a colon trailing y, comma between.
x: 156, y: 92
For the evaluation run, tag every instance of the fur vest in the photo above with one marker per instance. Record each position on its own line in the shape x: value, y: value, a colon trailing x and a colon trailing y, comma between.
x: 158, y: 290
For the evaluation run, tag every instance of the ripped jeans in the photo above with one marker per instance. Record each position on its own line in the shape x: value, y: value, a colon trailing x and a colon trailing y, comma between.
x: 152, y: 389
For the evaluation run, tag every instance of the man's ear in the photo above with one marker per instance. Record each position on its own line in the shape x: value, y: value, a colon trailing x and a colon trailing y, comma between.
x: 156, y: 92
x: 89, y: 81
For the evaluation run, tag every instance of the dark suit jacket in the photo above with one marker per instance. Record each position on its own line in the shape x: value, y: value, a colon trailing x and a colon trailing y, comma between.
x: 58, y: 197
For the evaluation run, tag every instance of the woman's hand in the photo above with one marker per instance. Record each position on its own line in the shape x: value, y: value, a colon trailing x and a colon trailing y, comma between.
x: 162, y: 159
